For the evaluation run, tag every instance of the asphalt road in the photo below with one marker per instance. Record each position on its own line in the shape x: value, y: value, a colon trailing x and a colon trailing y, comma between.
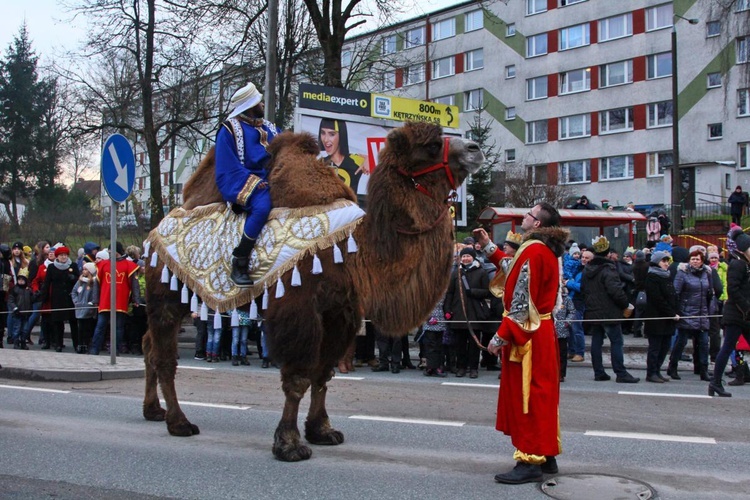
x: 90, y: 441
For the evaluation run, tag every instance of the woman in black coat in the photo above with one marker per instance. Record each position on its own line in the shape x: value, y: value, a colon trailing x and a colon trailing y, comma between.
x: 661, y: 302
x: 736, y: 313
x: 61, y: 277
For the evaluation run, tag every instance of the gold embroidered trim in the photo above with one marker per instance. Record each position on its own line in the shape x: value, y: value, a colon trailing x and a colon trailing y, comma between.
x: 248, y: 189
x: 528, y: 458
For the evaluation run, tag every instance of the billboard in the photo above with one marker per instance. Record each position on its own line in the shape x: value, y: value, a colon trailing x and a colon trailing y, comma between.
x: 350, y: 137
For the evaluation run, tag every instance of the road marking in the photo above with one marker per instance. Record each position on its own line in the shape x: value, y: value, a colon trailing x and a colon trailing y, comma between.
x: 212, y: 405
x: 464, y: 384
x: 344, y: 377
x: 652, y: 437
x: 664, y: 394
x: 409, y: 420
x: 204, y: 368
x: 34, y: 389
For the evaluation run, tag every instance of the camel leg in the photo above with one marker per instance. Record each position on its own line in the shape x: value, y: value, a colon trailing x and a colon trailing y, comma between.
x: 318, y: 428
x: 286, y: 440
x: 152, y: 409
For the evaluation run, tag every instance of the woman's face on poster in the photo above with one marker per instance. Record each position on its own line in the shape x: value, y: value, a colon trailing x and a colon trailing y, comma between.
x: 330, y: 140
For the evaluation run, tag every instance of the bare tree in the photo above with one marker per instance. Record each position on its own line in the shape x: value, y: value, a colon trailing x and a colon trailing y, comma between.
x: 525, y: 185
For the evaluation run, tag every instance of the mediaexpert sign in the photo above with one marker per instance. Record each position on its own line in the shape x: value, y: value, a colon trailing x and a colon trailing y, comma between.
x: 118, y: 167
x: 334, y: 99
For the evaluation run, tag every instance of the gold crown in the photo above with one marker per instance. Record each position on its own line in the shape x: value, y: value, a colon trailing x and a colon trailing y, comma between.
x: 516, y: 238
x: 600, y: 244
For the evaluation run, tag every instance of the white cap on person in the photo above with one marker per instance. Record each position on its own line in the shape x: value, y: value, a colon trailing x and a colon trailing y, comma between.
x: 244, y: 99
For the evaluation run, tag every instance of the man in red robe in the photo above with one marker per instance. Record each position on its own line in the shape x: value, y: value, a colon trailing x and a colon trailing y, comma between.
x: 527, y: 408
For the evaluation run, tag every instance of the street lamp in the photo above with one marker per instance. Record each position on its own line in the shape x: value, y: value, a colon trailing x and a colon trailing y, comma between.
x: 677, y: 194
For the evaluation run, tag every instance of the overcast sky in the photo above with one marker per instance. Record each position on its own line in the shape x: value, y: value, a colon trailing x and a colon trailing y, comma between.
x: 52, y: 31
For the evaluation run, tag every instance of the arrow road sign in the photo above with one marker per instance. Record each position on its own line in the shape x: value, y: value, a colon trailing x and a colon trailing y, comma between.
x: 118, y: 167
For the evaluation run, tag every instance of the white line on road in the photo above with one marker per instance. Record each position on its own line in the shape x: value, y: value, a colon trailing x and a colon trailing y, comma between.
x: 204, y: 368
x: 211, y: 405
x: 664, y: 394
x: 33, y: 389
x: 344, y: 377
x: 652, y: 437
x: 460, y: 384
x: 408, y: 421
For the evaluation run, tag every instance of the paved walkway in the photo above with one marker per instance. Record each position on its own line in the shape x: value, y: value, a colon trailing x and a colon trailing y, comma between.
x: 67, y: 366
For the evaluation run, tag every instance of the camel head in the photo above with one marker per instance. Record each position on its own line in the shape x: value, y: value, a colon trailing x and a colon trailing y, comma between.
x: 418, y: 151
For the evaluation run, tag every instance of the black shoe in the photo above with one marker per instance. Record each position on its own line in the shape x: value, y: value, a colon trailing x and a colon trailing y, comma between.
x: 718, y: 389
x: 408, y: 365
x: 664, y: 379
x: 239, y: 275
x: 550, y: 466
x: 395, y: 368
x: 493, y: 368
x: 627, y: 379
x: 265, y: 363
x: 380, y: 368
x: 654, y: 378
x: 460, y: 372
x: 602, y: 378
x: 737, y: 381
x: 672, y: 372
x: 473, y: 374
x: 235, y: 361
x: 244, y: 361
x: 521, y: 473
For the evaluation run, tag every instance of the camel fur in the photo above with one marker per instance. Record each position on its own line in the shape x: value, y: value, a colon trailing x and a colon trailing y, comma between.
x: 400, y: 271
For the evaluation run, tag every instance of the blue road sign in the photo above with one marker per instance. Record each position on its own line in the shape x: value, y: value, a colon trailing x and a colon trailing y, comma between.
x: 118, y: 167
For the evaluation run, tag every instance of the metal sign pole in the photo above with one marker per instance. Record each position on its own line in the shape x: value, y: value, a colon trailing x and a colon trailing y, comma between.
x: 113, y: 284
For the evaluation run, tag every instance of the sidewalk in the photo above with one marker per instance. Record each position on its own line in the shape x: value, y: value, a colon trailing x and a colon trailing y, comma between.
x: 67, y: 366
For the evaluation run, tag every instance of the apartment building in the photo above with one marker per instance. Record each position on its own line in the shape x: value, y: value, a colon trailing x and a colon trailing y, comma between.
x: 579, y: 92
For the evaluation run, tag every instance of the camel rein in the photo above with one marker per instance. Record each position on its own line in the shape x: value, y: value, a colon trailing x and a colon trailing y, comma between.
x: 461, y: 292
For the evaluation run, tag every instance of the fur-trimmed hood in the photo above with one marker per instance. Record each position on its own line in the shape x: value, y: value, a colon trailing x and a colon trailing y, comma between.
x: 554, y: 237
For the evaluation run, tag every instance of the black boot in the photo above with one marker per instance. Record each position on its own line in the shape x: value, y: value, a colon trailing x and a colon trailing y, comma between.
x: 672, y: 371
x: 17, y: 344
x: 521, y: 473
x: 704, y: 373
x: 241, y: 261
x: 718, y: 388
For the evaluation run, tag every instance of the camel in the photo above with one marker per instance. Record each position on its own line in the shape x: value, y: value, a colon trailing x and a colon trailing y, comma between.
x: 401, y: 269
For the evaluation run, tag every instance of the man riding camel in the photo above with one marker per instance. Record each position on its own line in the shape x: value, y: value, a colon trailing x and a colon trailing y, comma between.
x: 241, y: 176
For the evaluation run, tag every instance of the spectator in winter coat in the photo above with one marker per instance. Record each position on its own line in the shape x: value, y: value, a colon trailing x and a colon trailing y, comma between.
x: 714, y: 331
x: 605, y: 302
x: 661, y: 303
x: 563, y: 317
x: 83, y: 299
x: 737, y: 202
x: 572, y: 274
x: 433, y: 342
x: 640, y: 271
x: 20, y: 300
x: 59, y: 281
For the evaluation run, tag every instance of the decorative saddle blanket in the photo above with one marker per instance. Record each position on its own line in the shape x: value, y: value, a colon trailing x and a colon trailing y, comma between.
x: 196, y: 246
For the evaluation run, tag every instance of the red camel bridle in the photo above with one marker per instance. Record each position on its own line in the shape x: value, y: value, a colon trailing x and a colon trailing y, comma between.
x: 448, y: 201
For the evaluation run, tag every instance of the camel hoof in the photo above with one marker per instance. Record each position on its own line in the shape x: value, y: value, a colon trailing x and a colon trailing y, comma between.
x: 154, y: 413
x: 291, y: 452
x: 183, y: 428
x: 330, y: 437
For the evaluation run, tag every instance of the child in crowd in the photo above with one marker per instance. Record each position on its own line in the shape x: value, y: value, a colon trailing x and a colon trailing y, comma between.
x: 563, y: 317
x: 433, y: 342
x: 86, y: 311
x: 239, y: 339
x: 20, y: 300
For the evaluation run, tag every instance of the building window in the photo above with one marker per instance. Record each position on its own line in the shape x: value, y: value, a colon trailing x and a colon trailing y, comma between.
x: 474, y: 20
x: 715, y: 131
x: 346, y: 58
x: 616, y: 120
x: 510, y: 113
x: 389, y: 80
x: 616, y: 167
x: 563, y: 3
x: 713, y: 80
x: 743, y: 54
x: 443, y: 67
x: 414, y: 74
x: 660, y: 114
x: 577, y: 80
x: 657, y: 162
x: 444, y: 29
x: 575, y: 126
x: 536, y: 175
x: 743, y: 102
x: 510, y: 155
x: 510, y: 71
x: 742, y: 5
x: 510, y: 29
x: 659, y: 65
x: 536, y: 88
x: 575, y: 172
x: 616, y: 27
x: 535, y: 6
x: 450, y: 100
x: 414, y: 38
x: 616, y: 73
x: 536, y: 132
x: 473, y: 100
x: 474, y: 60
x: 389, y: 45
x: 659, y: 17
x: 743, y: 155
x: 574, y: 36
x: 713, y: 28
x: 536, y: 45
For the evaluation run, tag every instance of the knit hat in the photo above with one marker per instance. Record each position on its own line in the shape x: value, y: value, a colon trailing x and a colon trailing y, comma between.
x: 742, y: 240
x: 244, y: 99
x: 513, y: 240
x: 574, y: 249
x: 600, y: 245
x: 713, y: 254
x: 468, y: 251
x: 628, y: 252
x: 102, y: 254
x: 659, y: 256
x: 17, y: 244
x: 90, y: 267
x: 640, y: 256
x: 62, y: 250
x: 89, y: 247
x: 469, y: 240
x: 698, y: 248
